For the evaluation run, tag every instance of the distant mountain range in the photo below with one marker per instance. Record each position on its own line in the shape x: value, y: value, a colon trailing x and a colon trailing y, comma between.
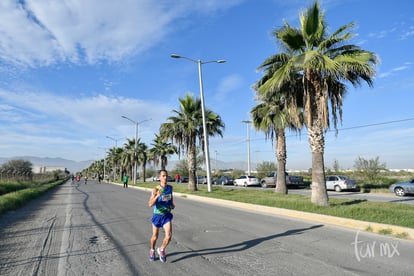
x: 76, y: 166
x: 71, y: 166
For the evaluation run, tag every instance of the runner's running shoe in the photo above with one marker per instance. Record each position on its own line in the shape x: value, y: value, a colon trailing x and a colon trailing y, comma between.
x: 152, y: 255
x: 161, y: 253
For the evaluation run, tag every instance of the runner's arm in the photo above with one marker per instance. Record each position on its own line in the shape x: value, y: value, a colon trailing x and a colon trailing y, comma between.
x: 155, y: 194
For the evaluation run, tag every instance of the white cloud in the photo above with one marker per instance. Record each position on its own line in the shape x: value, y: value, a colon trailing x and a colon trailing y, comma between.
x: 393, y: 70
x: 227, y: 85
x: 94, y: 112
x: 38, y: 33
x: 40, y: 123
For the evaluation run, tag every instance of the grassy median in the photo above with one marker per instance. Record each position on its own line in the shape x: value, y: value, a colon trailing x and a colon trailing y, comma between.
x: 380, y: 212
x: 15, y: 195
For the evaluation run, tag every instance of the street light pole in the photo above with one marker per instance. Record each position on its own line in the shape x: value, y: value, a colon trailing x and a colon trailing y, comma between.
x: 248, y: 145
x: 136, y: 145
x: 215, y: 164
x: 116, y: 146
x: 205, y: 134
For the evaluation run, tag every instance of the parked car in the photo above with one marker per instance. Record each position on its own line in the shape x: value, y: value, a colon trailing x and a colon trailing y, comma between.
x: 403, y: 188
x: 340, y: 183
x: 224, y: 180
x: 291, y: 180
x: 201, y: 179
x: 184, y: 179
x: 247, y: 180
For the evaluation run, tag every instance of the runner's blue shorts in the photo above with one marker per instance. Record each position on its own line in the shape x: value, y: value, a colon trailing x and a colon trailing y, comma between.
x: 160, y: 220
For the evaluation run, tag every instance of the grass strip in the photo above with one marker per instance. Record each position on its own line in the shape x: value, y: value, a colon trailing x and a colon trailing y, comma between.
x: 14, y: 200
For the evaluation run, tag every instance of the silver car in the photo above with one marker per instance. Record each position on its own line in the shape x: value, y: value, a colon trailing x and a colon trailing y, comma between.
x: 201, y: 179
x: 340, y: 182
x: 403, y: 188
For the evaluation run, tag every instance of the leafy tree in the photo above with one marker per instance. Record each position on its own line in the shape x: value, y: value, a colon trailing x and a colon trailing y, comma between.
x: 336, y: 167
x: 18, y: 169
x: 236, y: 173
x: 265, y: 168
x: 186, y: 127
x: 181, y: 167
x: 325, y: 61
x: 370, y: 168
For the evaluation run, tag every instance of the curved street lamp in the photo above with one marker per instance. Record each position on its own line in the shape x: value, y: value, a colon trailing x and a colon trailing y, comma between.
x: 205, y: 133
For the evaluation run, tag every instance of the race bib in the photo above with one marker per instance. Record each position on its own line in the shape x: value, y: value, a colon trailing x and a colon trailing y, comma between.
x: 166, y: 197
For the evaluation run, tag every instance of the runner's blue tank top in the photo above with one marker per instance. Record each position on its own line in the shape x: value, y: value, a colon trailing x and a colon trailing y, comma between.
x: 163, y: 204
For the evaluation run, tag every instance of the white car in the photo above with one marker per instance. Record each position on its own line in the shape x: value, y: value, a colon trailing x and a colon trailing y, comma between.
x: 247, y: 180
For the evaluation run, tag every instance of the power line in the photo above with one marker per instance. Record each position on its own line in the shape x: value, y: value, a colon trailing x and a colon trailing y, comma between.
x: 377, y: 124
x: 361, y: 126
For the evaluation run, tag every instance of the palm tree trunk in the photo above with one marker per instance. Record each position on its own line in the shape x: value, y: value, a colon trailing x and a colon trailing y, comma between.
x: 163, y: 162
x: 281, y: 162
x: 192, y: 165
x: 317, y: 143
x: 144, y: 170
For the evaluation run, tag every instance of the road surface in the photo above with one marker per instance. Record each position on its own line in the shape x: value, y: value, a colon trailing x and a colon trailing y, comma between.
x: 104, y: 229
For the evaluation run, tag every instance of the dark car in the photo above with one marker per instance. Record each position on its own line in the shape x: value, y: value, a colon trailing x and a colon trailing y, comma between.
x: 224, y: 180
x: 184, y: 179
x: 403, y: 188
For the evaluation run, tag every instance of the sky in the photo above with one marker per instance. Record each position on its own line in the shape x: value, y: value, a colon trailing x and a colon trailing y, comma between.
x: 70, y: 69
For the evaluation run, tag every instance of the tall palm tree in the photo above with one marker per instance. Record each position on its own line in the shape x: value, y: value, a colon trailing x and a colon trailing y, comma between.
x: 160, y: 151
x: 114, y: 157
x: 128, y: 157
x: 272, y: 116
x: 325, y: 62
x: 142, y: 158
x: 278, y: 109
x: 186, y: 127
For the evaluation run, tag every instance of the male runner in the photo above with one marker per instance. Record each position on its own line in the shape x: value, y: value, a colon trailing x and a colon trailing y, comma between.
x: 162, y: 202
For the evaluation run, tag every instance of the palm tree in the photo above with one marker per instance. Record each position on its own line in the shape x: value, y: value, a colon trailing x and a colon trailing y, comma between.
x: 273, y: 116
x: 128, y: 156
x: 325, y: 62
x: 161, y: 150
x: 114, y: 157
x: 142, y: 158
x: 186, y: 127
x: 278, y: 110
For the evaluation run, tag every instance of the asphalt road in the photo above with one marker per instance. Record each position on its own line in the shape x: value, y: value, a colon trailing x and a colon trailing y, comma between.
x: 104, y: 229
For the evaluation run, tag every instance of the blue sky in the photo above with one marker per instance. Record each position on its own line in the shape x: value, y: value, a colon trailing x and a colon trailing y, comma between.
x: 70, y: 69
